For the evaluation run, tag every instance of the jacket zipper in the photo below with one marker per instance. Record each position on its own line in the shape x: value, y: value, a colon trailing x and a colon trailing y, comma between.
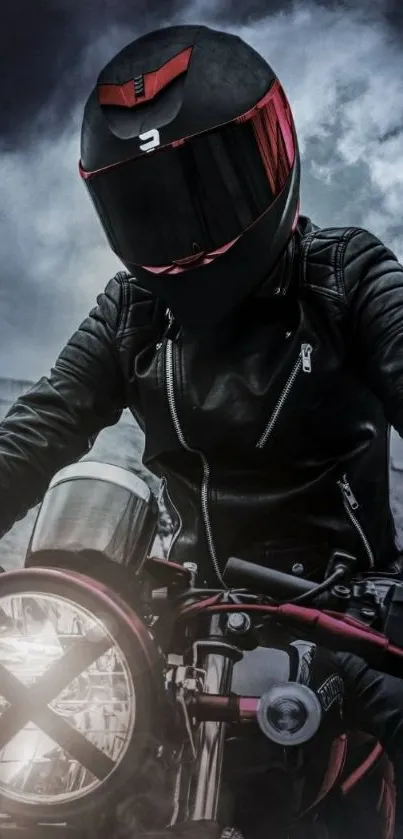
x: 350, y: 505
x: 303, y: 363
x: 169, y: 372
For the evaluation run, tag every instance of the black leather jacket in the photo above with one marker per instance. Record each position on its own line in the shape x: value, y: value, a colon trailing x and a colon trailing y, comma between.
x: 272, y: 435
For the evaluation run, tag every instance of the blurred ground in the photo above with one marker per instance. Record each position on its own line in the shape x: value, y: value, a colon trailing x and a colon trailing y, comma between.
x: 123, y: 446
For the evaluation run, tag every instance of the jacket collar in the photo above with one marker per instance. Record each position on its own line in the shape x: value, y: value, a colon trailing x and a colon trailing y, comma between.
x: 278, y: 283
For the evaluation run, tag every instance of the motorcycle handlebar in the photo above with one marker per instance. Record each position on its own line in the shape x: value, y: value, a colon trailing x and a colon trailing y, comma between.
x: 238, y: 573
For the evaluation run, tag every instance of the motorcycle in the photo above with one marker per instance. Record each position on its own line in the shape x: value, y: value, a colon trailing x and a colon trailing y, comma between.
x: 134, y: 703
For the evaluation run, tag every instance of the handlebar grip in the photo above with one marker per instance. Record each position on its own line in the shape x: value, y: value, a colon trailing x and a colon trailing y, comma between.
x: 238, y: 573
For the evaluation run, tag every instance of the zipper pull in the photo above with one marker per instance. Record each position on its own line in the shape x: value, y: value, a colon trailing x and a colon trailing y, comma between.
x: 348, y: 493
x: 172, y: 328
x: 306, y: 352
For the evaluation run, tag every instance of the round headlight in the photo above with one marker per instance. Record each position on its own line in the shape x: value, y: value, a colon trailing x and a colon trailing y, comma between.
x: 75, y: 692
x: 289, y: 714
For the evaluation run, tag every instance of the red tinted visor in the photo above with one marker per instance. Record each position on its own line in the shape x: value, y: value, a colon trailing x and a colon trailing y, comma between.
x: 191, y: 198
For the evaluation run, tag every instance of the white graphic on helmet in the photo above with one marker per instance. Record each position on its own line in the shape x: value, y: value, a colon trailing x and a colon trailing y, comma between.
x: 152, y: 139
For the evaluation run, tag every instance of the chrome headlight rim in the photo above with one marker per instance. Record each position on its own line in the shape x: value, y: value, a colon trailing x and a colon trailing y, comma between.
x: 135, y: 642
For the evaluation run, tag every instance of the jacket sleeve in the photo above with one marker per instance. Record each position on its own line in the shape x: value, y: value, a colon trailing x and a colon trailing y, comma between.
x: 373, y: 285
x: 58, y: 419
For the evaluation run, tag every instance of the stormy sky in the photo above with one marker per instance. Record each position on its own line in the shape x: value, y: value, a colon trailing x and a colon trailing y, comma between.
x: 341, y: 65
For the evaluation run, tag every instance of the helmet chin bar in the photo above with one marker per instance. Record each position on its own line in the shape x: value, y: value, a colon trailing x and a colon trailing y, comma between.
x: 202, y: 297
x: 76, y: 697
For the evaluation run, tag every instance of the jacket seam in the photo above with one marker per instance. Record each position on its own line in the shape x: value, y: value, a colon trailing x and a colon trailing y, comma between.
x: 124, y: 309
x: 305, y: 246
x: 339, y: 293
x: 340, y: 260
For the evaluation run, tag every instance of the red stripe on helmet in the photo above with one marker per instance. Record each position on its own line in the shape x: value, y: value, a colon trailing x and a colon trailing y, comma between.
x: 126, y: 96
x: 273, y: 126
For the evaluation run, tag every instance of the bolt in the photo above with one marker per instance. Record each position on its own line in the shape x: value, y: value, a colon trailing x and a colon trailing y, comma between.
x: 238, y: 622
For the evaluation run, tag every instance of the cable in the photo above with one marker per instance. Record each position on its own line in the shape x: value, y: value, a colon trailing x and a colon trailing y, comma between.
x: 327, y: 584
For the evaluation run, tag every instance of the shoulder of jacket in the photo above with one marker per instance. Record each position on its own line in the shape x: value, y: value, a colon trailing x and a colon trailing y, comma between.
x: 332, y: 258
x: 138, y: 308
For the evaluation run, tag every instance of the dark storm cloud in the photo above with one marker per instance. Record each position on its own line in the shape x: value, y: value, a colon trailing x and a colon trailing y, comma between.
x: 42, y: 45
x: 342, y: 76
x: 28, y: 35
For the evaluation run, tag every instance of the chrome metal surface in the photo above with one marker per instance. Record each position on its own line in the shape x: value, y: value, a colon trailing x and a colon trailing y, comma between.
x: 289, y: 714
x: 99, y: 508
x: 92, y: 469
x: 206, y: 782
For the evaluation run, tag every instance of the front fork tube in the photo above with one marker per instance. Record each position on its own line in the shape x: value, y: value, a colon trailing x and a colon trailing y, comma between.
x: 216, y: 657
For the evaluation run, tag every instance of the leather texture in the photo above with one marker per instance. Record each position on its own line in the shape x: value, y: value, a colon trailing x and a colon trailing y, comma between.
x: 271, y: 433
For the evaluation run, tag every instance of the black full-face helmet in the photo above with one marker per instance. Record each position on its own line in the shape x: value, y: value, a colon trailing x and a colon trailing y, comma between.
x: 189, y: 153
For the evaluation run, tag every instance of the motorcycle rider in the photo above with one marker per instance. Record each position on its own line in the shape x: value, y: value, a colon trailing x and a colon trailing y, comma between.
x: 262, y: 356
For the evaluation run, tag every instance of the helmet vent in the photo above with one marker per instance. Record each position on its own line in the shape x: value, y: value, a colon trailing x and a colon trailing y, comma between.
x: 139, y: 88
